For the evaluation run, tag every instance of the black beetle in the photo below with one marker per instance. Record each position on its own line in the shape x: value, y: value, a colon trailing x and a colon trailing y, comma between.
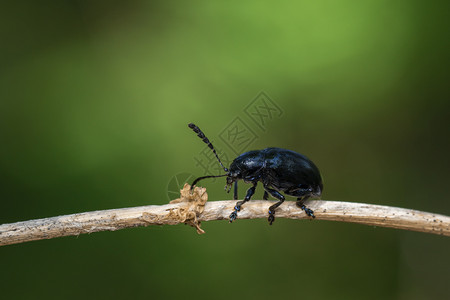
x: 278, y: 169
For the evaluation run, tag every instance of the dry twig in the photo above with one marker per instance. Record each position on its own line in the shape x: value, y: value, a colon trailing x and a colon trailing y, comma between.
x: 193, y: 209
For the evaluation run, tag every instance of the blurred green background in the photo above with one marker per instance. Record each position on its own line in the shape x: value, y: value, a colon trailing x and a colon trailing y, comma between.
x: 94, y: 101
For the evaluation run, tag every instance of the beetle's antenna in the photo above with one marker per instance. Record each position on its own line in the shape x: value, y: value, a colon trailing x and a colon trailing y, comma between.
x: 201, y: 135
x: 203, y: 177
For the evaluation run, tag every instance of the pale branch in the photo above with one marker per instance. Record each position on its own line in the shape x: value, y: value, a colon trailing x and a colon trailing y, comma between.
x: 182, y: 212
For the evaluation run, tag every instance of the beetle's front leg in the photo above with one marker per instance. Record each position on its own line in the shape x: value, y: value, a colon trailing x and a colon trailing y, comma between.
x: 237, y: 208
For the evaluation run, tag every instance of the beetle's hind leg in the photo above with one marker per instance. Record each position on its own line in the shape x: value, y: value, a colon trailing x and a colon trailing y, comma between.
x: 272, y: 208
x: 302, y: 195
x: 301, y: 203
x: 237, y: 208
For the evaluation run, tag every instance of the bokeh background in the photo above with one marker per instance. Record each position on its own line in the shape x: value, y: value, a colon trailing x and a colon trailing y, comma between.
x: 94, y: 101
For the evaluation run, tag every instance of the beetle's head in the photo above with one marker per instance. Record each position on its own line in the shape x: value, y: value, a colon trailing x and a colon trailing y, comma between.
x: 234, y: 174
x: 230, y: 181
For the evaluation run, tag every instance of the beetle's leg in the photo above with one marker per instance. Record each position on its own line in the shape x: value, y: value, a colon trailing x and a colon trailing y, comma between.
x: 278, y: 196
x: 235, y: 197
x: 301, y: 203
x: 266, y: 196
x: 237, y: 208
x: 303, y: 194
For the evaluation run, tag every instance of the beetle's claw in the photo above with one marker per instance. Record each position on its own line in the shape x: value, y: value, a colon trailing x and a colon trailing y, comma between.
x: 308, y: 211
x: 271, y: 218
x: 233, y: 216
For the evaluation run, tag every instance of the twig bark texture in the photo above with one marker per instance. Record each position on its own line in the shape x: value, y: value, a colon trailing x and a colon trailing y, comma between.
x: 115, y: 219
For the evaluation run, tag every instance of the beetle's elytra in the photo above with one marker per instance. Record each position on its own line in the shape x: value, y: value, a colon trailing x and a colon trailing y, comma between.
x: 279, y: 170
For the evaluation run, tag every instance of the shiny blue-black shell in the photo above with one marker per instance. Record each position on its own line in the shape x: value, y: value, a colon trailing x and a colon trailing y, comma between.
x: 281, y: 169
